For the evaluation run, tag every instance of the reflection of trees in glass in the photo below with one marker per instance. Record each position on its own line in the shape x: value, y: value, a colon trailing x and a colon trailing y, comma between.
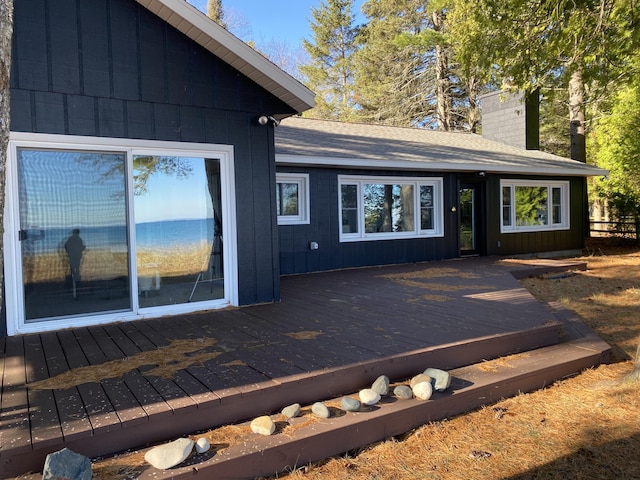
x: 426, y: 207
x: 388, y: 208
x: 287, y: 198
x: 531, y: 206
x: 349, y: 202
x: 144, y: 167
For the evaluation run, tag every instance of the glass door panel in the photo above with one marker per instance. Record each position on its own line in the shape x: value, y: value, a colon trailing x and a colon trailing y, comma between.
x: 467, y: 220
x: 73, y: 232
x: 178, y: 218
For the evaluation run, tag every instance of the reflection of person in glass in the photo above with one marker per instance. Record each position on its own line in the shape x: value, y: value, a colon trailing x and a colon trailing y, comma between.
x: 74, y: 246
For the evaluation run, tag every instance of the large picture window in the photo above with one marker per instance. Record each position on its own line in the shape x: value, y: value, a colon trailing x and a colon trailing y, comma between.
x: 378, y: 208
x: 534, y: 205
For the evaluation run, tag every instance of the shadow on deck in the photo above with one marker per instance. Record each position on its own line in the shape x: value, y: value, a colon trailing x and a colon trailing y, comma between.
x: 134, y: 384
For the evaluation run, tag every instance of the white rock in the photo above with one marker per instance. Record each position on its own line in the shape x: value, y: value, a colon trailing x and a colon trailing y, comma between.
x: 349, y: 404
x: 423, y: 390
x: 291, y: 411
x: 421, y: 377
x: 263, y: 425
x: 202, y: 445
x: 403, y: 392
x: 319, y: 409
x: 369, y: 397
x: 442, y: 379
x: 381, y: 385
x: 170, y: 454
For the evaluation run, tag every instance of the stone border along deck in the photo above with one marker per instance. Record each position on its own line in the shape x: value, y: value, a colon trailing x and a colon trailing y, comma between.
x: 471, y: 387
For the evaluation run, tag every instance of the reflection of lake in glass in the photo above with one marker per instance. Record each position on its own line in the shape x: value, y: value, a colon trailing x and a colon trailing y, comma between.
x: 174, y: 248
x: 180, y: 246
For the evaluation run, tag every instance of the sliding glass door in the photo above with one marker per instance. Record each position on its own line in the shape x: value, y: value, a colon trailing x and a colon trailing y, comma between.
x: 73, y: 232
x: 120, y: 230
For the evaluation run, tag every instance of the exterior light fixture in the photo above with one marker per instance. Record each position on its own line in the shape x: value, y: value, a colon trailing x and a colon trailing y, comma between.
x: 265, y: 119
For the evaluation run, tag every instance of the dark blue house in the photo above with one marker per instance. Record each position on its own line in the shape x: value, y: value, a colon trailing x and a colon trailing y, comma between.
x: 144, y: 132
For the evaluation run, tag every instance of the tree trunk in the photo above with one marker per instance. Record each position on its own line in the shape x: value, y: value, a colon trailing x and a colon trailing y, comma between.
x: 444, y: 102
x: 576, y: 116
x: 474, y: 115
x: 634, y: 375
x: 6, y: 33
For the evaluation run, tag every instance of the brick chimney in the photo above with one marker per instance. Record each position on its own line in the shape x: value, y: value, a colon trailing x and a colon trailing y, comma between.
x: 512, y: 118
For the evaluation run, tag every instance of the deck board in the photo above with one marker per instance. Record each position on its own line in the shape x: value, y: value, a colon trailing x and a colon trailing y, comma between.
x: 96, y: 403
x: 45, y: 423
x: 323, y: 321
x: 124, y: 403
x: 73, y: 415
x: 14, y: 421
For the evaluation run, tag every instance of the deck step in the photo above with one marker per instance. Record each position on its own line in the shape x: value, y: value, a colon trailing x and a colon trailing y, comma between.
x: 248, y: 401
x: 472, y: 386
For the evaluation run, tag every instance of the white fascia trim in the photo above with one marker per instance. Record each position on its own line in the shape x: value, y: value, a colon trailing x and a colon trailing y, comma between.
x: 197, y: 26
x: 368, y: 163
x: 53, y: 141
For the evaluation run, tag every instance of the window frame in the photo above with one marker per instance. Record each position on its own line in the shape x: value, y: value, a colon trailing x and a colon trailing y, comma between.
x: 16, y: 323
x: 304, y: 207
x: 359, y: 181
x: 565, y: 205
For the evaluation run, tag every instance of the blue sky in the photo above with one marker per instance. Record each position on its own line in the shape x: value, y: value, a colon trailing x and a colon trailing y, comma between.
x: 279, y: 20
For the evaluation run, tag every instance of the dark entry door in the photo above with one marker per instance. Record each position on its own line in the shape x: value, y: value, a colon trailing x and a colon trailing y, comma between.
x: 471, y: 219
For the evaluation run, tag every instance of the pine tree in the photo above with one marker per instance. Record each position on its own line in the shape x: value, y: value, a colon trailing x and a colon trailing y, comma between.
x: 395, y: 82
x: 330, y: 70
x: 215, y: 12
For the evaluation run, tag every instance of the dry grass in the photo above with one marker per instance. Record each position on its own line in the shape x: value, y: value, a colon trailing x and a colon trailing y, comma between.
x: 584, y: 427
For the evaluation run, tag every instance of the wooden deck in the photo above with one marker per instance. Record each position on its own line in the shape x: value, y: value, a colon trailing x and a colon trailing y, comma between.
x: 324, y: 322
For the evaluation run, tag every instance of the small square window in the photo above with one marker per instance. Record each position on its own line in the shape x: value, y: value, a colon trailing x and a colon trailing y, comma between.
x: 292, y: 199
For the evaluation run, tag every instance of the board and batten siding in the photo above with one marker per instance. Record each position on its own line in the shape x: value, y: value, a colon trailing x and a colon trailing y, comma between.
x: 297, y: 257
x: 519, y: 243
x: 111, y: 68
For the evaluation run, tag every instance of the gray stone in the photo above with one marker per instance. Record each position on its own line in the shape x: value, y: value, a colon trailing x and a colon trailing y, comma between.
x: 423, y: 390
x: 202, y: 445
x: 319, y: 409
x: 381, y: 385
x: 403, y: 391
x: 421, y: 377
x: 291, y: 411
x: 349, y: 404
x: 369, y: 397
x: 66, y: 464
x: 170, y: 454
x: 441, y: 379
x: 263, y: 425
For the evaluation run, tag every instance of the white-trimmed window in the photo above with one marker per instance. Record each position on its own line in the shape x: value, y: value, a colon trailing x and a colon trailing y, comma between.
x: 381, y: 208
x: 292, y: 198
x: 529, y: 205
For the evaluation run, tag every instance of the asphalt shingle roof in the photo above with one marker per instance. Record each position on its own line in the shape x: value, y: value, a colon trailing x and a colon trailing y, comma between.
x: 319, y: 142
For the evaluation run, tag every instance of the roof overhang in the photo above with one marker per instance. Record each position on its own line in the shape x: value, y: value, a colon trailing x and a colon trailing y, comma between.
x: 430, y: 166
x: 324, y: 143
x: 224, y: 45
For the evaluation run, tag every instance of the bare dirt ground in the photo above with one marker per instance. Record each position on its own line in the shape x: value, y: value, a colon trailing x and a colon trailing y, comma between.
x: 584, y: 427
